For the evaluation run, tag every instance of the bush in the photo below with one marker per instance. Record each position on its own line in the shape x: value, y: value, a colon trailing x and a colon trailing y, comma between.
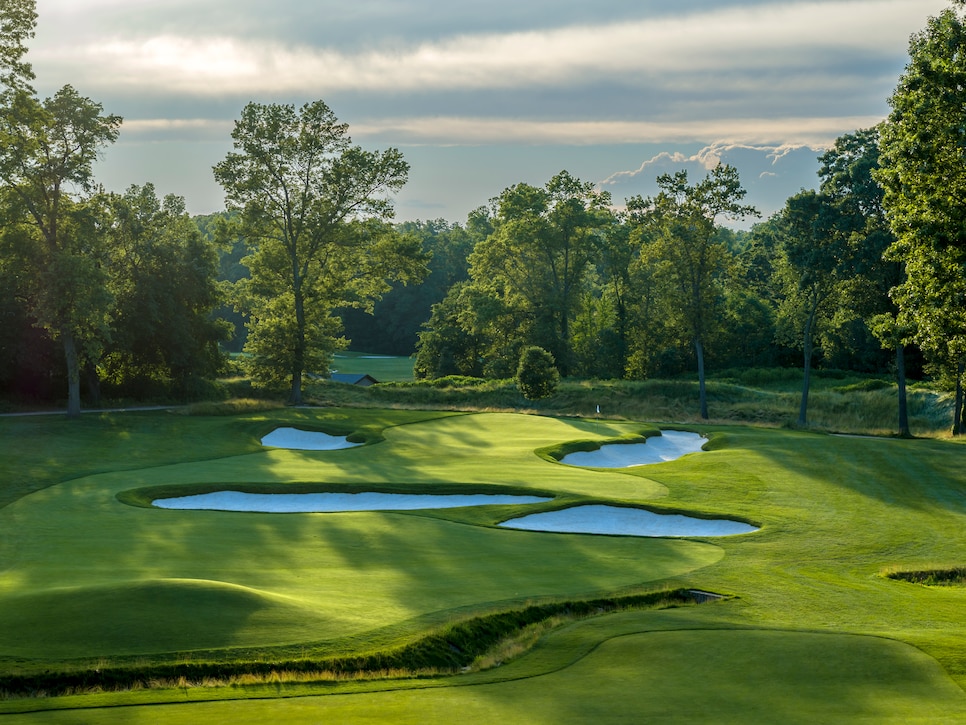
x: 537, y: 375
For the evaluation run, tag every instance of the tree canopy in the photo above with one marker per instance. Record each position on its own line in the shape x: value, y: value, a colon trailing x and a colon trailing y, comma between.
x: 47, y: 151
x: 923, y: 172
x: 537, y: 258
x: 314, y: 210
x: 678, y: 231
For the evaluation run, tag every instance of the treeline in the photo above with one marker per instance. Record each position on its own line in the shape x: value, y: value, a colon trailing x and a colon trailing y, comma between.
x: 663, y: 285
x: 127, y: 291
x: 96, y: 286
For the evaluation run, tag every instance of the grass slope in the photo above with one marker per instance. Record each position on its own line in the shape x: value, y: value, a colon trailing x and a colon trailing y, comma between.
x: 817, y: 632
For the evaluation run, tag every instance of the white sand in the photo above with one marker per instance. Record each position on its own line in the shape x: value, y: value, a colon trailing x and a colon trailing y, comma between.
x: 305, y: 440
x: 627, y: 521
x: 334, y: 502
x: 670, y: 445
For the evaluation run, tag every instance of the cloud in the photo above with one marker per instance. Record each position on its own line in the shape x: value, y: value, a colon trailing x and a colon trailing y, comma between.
x: 770, y: 174
x: 486, y: 95
x: 689, y: 53
x: 783, y: 134
x: 187, y: 128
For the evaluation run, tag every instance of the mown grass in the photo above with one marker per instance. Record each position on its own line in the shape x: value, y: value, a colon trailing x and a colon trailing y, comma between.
x: 462, y: 646
x: 817, y: 632
x: 384, y: 368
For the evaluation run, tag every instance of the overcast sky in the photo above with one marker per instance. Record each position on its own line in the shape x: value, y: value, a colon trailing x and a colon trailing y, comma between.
x: 480, y: 96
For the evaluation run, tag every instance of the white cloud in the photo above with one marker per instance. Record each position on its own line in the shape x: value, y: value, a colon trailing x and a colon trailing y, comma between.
x: 782, y: 134
x: 708, y: 157
x: 691, y: 51
x: 147, y: 126
x: 770, y: 174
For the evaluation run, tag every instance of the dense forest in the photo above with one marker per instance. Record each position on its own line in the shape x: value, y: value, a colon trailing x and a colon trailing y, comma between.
x: 124, y: 294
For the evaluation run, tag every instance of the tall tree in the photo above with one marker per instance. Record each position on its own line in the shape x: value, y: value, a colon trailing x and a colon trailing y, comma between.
x: 18, y: 18
x: 923, y: 172
x: 315, y: 212
x: 47, y: 150
x: 847, y: 173
x: 446, y: 346
x: 163, y: 274
x: 813, y: 261
x: 617, y: 257
x: 678, y: 230
x: 537, y: 257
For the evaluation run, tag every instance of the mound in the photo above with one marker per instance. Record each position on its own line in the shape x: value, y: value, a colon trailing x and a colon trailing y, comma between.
x: 167, y: 615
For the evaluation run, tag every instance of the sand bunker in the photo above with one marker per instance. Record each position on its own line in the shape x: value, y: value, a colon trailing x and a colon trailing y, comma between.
x: 670, y: 445
x: 334, y: 502
x: 305, y: 440
x: 626, y: 521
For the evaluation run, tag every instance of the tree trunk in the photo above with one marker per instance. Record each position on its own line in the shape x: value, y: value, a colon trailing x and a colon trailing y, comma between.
x: 702, y: 393
x: 807, y: 372
x: 93, y: 383
x: 563, y: 360
x: 958, y: 411
x: 806, y: 381
x: 622, y: 335
x: 298, y: 354
x: 901, y: 380
x: 73, y: 374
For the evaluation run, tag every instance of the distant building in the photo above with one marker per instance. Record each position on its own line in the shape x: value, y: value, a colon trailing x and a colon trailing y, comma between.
x: 353, y: 379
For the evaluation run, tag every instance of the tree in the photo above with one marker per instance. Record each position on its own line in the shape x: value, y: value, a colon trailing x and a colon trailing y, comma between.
x: 18, y: 18
x: 537, y: 375
x: 445, y: 346
x: 847, y: 174
x: 617, y: 257
x: 537, y: 258
x: 314, y: 211
x: 923, y: 173
x: 813, y: 261
x: 678, y: 231
x: 47, y: 150
x: 394, y: 324
x: 162, y: 279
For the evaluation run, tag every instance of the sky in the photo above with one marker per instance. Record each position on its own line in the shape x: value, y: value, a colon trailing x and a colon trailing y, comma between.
x: 482, y: 96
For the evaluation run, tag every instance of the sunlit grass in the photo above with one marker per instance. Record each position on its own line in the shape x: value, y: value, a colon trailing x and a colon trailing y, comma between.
x: 847, y: 404
x: 817, y: 631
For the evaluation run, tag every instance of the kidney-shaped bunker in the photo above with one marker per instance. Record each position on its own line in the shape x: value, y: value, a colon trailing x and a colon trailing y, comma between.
x: 668, y: 446
x: 622, y: 520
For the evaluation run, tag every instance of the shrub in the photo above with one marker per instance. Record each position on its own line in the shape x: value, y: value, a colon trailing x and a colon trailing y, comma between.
x: 537, y: 375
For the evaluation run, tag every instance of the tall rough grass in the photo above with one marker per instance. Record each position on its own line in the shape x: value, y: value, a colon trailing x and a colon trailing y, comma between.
x: 839, y: 402
x: 235, y: 406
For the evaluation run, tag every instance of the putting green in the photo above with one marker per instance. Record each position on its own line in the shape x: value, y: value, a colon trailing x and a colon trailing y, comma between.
x: 146, y: 581
x: 235, y: 580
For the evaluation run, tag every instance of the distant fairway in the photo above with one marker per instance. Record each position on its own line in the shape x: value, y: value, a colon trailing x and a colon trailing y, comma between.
x: 90, y: 576
x: 384, y: 368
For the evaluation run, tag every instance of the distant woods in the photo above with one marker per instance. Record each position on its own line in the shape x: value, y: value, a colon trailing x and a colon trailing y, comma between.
x: 125, y: 294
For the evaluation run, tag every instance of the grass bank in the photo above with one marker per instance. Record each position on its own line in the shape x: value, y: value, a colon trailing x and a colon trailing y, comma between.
x: 838, y: 402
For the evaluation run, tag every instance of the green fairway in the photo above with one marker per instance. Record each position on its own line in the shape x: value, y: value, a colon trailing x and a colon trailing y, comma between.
x: 384, y: 368
x: 816, y: 631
